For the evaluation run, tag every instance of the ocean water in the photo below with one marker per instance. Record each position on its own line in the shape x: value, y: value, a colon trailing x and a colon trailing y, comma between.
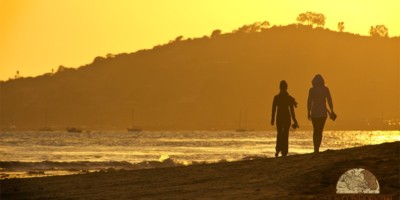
x: 26, y: 154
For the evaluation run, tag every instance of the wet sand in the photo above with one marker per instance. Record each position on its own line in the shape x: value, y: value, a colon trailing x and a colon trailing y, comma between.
x: 307, y: 176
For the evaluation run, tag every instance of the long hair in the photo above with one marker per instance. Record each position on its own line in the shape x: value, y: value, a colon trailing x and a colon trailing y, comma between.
x: 318, y: 81
x: 283, y: 87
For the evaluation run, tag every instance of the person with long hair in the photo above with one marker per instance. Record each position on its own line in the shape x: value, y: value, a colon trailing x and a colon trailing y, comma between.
x: 318, y: 95
x: 285, y: 104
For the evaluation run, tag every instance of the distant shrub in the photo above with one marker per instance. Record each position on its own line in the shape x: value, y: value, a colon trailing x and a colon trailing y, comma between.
x: 62, y: 68
x: 252, y: 28
x: 341, y: 26
x: 178, y: 39
x: 311, y: 18
x: 379, y: 31
x: 216, y: 33
x: 110, y: 55
x: 98, y: 59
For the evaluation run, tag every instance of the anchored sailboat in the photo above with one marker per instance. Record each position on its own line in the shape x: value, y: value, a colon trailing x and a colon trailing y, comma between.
x: 45, y: 128
x: 74, y: 130
x: 133, y: 128
x: 241, y: 129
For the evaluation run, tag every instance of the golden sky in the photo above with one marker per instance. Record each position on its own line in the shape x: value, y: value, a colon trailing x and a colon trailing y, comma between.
x: 39, y: 35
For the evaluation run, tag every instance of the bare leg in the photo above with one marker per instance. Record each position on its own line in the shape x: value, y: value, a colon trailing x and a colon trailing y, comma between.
x: 318, y: 125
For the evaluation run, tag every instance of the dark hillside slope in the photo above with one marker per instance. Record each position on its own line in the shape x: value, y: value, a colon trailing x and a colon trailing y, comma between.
x: 204, y: 83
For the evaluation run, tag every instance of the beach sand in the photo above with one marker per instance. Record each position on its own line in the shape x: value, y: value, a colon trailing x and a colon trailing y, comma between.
x: 307, y: 176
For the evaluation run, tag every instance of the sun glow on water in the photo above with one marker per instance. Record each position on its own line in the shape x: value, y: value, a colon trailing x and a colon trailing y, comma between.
x: 163, y: 148
x: 163, y: 157
x: 378, y: 137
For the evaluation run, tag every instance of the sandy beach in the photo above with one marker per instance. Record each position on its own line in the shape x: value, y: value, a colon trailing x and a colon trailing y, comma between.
x: 307, y: 176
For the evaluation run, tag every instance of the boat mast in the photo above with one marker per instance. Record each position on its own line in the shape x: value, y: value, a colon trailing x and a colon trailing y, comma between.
x: 133, y: 115
x: 240, y: 120
x: 245, y: 120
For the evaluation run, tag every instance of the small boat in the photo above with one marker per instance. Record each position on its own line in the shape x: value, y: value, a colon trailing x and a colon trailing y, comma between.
x: 74, y: 130
x: 241, y: 129
x: 133, y: 128
x: 46, y: 129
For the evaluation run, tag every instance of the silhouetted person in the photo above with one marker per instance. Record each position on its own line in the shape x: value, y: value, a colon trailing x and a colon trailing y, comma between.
x: 285, y: 104
x: 317, y: 110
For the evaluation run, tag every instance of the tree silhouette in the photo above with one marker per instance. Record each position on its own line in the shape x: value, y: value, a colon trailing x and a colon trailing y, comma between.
x: 253, y: 28
x: 379, y: 31
x: 319, y: 19
x: 17, y: 74
x: 341, y: 26
x: 216, y: 33
x: 110, y: 55
x: 312, y: 18
x: 98, y: 59
x: 264, y: 25
x: 302, y: 18
x: 179, y: 38
x: 62, y: 68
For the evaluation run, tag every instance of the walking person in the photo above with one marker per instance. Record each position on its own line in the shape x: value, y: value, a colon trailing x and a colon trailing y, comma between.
x: 318, y: 95
x: 285, y: 105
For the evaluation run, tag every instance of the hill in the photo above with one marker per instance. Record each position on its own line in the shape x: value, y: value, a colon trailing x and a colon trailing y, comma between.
x: 203, y: 83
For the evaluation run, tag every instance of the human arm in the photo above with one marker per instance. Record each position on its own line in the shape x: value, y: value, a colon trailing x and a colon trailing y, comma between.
x: 292, y: 113
x: 309, y: 104
x: 273, y: 111
x: 329, y: 98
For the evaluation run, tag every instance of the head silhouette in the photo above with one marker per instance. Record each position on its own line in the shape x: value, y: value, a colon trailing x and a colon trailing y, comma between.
x: 318, y: 81
x: 283, y: 85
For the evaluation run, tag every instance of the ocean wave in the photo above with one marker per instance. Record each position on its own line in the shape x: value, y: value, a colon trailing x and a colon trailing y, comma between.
x: 163, y: 161
x: 10, y: 166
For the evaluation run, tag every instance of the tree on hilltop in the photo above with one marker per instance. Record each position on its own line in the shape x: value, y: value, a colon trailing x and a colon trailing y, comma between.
x: 312, y: 18
x: 379, y: 31
x: 179, y: 38
x: 17, y: 75
x: 341, y: 26
x: 216, y: 33
x: 110, y: 55
x: 252, y: 28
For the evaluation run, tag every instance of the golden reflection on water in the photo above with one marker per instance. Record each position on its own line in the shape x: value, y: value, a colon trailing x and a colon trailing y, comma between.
x: 378, y: 137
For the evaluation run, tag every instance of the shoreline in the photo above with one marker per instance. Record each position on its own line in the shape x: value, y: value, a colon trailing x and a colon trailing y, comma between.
x: 305, y: 176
